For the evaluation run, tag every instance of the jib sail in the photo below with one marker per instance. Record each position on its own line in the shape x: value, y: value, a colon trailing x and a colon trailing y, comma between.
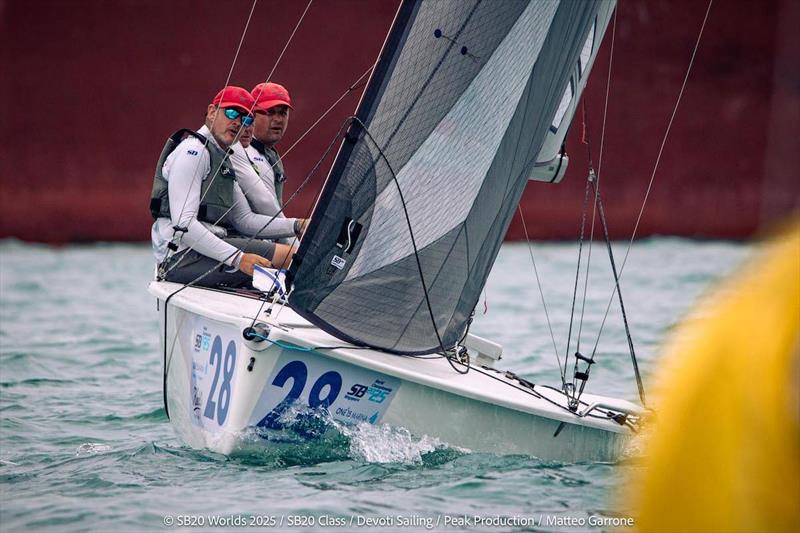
x: 464, y: 98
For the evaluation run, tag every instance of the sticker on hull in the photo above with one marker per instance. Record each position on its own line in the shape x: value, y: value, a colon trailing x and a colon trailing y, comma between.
x: 215, y: 354
x: 350, y: 394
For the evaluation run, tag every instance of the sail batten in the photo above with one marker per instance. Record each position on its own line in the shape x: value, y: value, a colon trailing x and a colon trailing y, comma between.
x: 449, y: 136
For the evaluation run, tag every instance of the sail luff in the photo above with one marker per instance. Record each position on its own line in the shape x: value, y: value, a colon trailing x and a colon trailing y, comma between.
x: 366, y: 107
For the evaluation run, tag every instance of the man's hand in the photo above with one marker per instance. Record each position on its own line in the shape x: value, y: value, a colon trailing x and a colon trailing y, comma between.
x: 300, y: 227
x: 248, y: 262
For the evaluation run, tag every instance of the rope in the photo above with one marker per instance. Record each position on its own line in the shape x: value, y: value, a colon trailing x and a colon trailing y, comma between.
x: 286, y: 46
x: 575, y: 289
x: 588, y: 142
x: 197, y: 279
x: 531, y: 391
x: 655, y: 168
x: 541, y: 293
x: 302, y: 185
x: 638, y: 376
x: 236, y: 138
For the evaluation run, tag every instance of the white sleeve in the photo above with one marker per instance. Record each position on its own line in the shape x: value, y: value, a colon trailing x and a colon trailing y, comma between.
x: 252, y: 224
x: 261, y: 199
x: 185, y: 175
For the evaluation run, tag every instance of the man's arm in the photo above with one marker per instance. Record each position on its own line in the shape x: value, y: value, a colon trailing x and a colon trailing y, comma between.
x: 259, y: 195
x: 252, y: 224
x: 184, y: 177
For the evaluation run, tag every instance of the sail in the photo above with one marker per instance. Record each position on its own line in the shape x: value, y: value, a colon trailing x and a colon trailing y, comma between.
x: 423, y: 189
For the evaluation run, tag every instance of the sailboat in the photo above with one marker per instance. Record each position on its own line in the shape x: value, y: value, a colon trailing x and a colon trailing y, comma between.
x: 468, y: 101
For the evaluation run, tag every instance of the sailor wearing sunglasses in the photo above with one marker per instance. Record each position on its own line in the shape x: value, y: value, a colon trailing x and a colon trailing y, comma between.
x: 196, y: 202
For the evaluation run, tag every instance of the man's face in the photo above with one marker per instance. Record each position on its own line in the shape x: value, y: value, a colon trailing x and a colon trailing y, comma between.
x: 270, y: 125
x: 225, y: 130
x: 246, y: 135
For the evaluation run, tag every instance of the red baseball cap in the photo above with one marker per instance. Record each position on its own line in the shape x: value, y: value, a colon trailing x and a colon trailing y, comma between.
x: 233, y: 96
x: 271, y: 94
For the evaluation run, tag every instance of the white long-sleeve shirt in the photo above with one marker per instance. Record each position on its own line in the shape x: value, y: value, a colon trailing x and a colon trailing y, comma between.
x: 256, y: 179
x: 185, y: 169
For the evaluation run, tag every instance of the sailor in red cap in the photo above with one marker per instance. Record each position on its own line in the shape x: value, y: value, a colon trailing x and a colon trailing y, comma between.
x: 196, y: 202
x: 272, y: 118
x: 259, y: 170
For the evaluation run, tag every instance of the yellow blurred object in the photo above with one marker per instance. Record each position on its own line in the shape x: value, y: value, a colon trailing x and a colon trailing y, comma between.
x: 724, y: 454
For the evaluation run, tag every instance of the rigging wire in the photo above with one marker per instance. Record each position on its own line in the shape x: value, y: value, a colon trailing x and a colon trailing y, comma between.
x: 412, y: 237
x: 653, y: 174
x: 524, y: 386
x: 205, y: 144
x: 167, y: 360
x: 353, y: 87
x: 302, y: 185
x: 608, y: 89
x: 529, y: 389
x: 586, y: 139
x: 666, y: 134
x: 541, y: 293
x: 575, y: 288
x: 236, y: 138
x: 274, y: 67
x: 241, y: 41
x: 288, y: 41
x: 637, y: 375
x: 591, y: 241
x: 597, y: 176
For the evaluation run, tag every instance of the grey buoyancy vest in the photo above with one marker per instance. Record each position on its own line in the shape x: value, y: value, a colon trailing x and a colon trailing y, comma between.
x: 277, y: 167
x: 216, y: 192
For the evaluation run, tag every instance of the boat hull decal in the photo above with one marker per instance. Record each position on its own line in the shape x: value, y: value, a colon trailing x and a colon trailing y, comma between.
x: 350, y: 394
x: 215, y: 354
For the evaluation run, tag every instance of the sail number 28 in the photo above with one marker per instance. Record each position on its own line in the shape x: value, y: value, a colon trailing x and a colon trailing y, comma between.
x: 223, y: 399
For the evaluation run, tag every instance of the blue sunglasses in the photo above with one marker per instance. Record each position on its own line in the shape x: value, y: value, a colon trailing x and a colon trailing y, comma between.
x: 232, y: 113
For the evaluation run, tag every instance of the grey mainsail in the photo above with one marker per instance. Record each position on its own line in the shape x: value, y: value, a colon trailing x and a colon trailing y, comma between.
x: 466, y: 98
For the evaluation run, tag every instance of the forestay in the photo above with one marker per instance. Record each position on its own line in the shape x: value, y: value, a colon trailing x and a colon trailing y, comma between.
x: 460, y: 104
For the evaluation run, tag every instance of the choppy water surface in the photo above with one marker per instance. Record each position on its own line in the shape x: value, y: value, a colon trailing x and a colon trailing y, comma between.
x: 85, y: 444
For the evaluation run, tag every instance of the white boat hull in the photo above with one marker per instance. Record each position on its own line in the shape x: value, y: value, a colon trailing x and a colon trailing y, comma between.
x: 218, y: 385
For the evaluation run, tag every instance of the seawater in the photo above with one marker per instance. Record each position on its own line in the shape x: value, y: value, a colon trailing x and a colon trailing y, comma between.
x: 85, y: 444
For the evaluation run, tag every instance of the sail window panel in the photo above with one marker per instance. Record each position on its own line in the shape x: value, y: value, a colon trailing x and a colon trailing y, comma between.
x: 586, y: 52
x: 563, y: 106
x: 443, y: 176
